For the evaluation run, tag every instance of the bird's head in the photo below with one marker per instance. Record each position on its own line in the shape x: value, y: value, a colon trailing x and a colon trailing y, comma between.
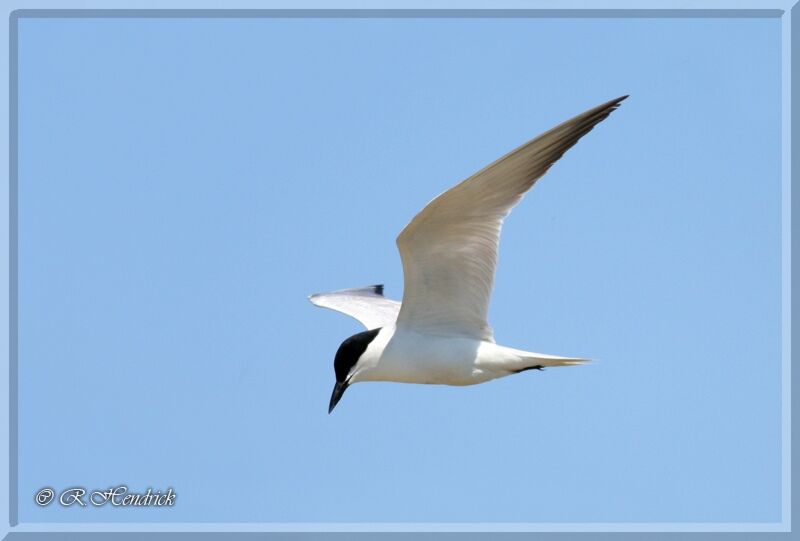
x: 346, y: 362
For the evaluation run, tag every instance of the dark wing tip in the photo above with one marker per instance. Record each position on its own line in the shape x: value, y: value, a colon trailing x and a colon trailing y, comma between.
x: 377, y: 289
x: 614, y: 102
x: 609, y: 105
x: 566, y: 134
x: 601, y: 111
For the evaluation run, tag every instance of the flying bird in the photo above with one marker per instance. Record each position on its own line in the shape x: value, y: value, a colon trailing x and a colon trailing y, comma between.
x: 439, y: 334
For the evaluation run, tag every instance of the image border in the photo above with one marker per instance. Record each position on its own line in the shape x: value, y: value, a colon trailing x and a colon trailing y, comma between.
x: 787, y: 12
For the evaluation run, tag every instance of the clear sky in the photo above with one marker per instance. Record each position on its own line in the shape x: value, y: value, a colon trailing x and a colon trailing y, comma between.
x: 185, y: 184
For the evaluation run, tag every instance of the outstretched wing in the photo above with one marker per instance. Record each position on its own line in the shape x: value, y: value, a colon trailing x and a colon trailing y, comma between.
x: 449, y: 249
x: 366, y: 304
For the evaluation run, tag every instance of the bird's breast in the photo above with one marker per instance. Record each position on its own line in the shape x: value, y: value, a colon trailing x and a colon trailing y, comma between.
x: 412, y: 357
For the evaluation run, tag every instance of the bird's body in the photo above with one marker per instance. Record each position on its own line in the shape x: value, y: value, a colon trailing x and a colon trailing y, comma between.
x: 411, y: 356
x: 439, y: 334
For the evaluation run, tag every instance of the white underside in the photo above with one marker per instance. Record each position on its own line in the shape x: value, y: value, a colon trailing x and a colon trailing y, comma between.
x: 409, y: 356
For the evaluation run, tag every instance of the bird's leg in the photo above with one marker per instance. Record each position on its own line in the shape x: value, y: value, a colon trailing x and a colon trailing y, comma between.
x: 536, y: 367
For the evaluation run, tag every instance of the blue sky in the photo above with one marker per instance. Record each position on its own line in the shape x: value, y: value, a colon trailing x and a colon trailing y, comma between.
x: 184, y: 184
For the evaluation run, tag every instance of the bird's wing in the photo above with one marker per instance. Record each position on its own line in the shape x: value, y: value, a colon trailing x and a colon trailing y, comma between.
x: 366, y: 304
x: 449, y: 249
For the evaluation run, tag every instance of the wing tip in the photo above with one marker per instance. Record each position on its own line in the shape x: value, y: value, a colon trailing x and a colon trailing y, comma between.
x: 618, y: 100
x: 613, y: 105
x: 606, y: 109
x: 377, y: 289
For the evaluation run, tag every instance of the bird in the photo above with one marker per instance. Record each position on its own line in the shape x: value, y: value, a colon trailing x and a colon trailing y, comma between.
x: 439, y: 333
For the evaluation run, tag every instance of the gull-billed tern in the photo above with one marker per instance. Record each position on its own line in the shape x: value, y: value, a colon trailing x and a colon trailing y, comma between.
x: 439, y: 333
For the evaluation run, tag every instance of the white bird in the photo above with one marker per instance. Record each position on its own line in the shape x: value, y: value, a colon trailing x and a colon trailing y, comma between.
x: 439, y: 334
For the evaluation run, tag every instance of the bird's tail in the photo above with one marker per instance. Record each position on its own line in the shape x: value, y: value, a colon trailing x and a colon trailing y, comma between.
x: 505, y: 359
x: 538, y: 361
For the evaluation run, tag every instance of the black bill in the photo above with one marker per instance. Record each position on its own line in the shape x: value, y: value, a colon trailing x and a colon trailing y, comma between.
x: 338, y: 391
